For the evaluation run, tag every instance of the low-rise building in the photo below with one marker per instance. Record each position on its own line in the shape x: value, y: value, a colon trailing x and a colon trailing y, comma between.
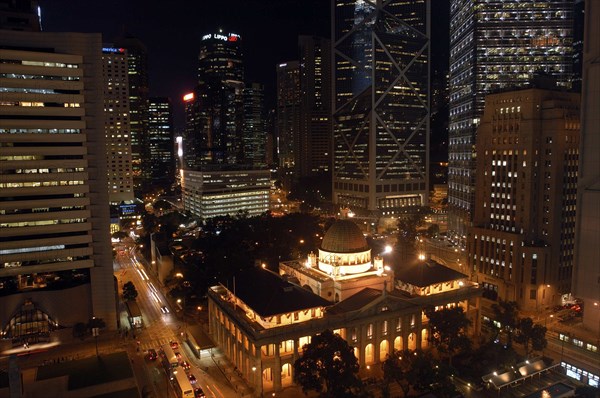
x: 261, y: 319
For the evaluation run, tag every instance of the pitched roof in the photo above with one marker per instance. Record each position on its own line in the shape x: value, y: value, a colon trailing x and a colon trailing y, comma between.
x: 427, y: 273
x: 356, y: 301
x: 268, y: 294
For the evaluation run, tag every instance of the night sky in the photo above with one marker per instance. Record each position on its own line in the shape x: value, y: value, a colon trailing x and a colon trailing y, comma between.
x: 172, y: 30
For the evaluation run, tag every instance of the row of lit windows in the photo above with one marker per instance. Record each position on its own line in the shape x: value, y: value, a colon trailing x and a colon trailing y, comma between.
x: 42, y: 223
x: 39, y: 184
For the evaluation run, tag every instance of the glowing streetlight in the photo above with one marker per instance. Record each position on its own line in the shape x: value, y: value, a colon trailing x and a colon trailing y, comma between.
x: 421, y: 256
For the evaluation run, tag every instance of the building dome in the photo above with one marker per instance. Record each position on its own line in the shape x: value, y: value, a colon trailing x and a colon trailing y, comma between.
x: 344, y: 236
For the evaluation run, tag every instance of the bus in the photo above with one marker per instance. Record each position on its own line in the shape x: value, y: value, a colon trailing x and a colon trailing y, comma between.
x: 182, y: 386
x: 134, y: 314
x: 168, y: 359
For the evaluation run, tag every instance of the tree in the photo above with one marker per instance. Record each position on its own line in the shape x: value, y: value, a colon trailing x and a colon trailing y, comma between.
x: 407, y: 231
x: 120, y: 235
x: 505, y: 312
x: 328, y: 361
x: 529, y: 333
x: 448, y: 329
x: 129, y: 291
x: 417, y: 370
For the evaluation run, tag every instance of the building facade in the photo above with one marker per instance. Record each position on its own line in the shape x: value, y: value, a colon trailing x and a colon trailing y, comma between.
x: 521, y: 245
x: 215, y: 131
x: 255, y: 125
x: 161, y: 141
x: 380, y: 105
x: 116, y: 125
x: 137, y: 62
x: 288, y: 116
x: 262, y: 324
x: 54, y: 212
x: 314, y: 153
x: 586, y: 280
x: 496, y: 45
x: 220, y: 191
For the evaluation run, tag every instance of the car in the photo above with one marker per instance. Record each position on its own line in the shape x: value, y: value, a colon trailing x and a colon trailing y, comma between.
x: 198, y: 393
x: 192, y: 379
x: 185, y: 365
x: 174, y: 344
x: 164, y: 309
x: 152, y: 355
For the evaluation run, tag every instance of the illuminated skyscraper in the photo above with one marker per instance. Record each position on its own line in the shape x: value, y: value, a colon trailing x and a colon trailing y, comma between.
x: 314, y: 154
x: 380, y: 104
x: 116, y: 124
x: 216, y: 133
x: 496, y: 44
x: 55, y: 254
x: 161, y: 140
x: 137, y: 62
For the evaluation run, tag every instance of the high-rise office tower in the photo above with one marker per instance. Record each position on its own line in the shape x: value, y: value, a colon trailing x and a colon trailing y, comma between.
x: 586, y: 278
x: 521, y: 244
x: 215, y: 135
x: 380, y: 105
x: 24, y: 15
x: 161, y: 140
x: 496, y: 44
x: 137, y: 62
x: 255, y: 125
x: 54, y: 213
x: 314, y: 154
x: 288, y: 116
x: 116, y: 125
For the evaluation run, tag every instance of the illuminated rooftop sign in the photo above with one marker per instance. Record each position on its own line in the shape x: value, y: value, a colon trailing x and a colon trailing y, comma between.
x: 113, y: 50
x: 188, y: 97
x: 220, y: 36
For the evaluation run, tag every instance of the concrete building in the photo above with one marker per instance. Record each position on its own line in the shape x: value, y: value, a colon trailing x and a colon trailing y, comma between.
x: 116, y: 125
x: 586, y: 277
x: 54, y: 212
x: 380, y: 105
x: 261, y: 319
x: 495, y: 45
x: 219, y: 191
x: 521, y: 245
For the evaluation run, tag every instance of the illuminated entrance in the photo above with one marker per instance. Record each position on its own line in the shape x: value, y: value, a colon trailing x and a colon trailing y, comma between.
x: 29, y: 325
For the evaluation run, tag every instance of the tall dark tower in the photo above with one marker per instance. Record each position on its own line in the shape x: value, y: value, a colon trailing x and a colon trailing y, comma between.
x: 217, y: 135
x: 380, y: 105
x: 255, y: 125
x: 24, y: 15
x: 137, y: 59
x: 288, y: 117
x: 496, y: 44
x: 314, y: 155
x: 160, y: 138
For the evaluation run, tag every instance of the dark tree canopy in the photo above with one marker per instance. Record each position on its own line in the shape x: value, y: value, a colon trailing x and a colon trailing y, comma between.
x: 532, y: 336
x: 448, y: 328
x: 129, y: 291
x: 505, y: 312
x: 328, y: 365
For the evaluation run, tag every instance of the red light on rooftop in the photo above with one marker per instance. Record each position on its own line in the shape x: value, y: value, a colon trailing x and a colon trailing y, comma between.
x: 233, y: 38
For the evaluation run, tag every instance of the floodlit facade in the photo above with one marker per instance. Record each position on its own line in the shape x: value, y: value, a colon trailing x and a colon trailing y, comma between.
x: 220, y: 191
x: 521, y: 245
x: 54, y: 211
x: 496, y: 44
x: 380, y: 104
x: 261, y: 319
x: 116, y: 124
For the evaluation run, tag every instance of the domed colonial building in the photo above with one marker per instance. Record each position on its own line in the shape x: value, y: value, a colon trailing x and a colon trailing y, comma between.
x: 262, y: 319
x: 343, y: 267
